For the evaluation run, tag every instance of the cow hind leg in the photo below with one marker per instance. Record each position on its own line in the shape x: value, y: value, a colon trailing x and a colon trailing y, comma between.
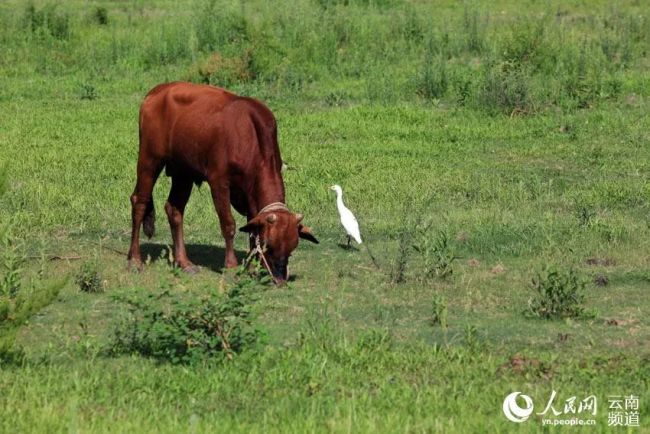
x: 142, y: 209
x: 175, y: 209
x: 149, y: 221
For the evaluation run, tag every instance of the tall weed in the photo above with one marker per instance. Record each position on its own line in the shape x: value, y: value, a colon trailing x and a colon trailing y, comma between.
x: 505, y: 88
x: 559, y: 293
x: 175, y: 327
x: 434, y: 80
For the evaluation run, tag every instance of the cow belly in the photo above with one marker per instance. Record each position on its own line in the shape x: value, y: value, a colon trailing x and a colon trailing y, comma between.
x: 178, y: 169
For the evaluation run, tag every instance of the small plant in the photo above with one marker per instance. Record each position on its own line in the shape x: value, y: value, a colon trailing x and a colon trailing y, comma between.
x: 583, y: 77
x: 101, y: 15
x: 88, y: 91
x: 559, y: 294
x: 374, y: 340
x: 217, y: 69
x: 10, y: 267
x: 398, y: 269
x: 335, y: 99
x: 434, y: 80
x: 471, y: 338
x: 4, y: 179
x: 89, y: 279
x: 437, y: 254
x: 462, y: 89
x: 47, y: 21
x: 10, y: 260
x: 586, y: 216
x: 474, y: 31
x: 439, y: 311
x: 505, y: 88
x: 18, y: 300
x: 180, y: 328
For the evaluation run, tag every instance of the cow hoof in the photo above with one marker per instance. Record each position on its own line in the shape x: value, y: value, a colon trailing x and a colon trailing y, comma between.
x: 191, y: 269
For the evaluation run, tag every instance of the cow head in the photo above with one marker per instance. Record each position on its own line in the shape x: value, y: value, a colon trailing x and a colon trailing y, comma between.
x: 278, y: 233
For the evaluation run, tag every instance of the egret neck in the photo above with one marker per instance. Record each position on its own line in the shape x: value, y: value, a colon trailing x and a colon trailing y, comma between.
x: 339, y: 200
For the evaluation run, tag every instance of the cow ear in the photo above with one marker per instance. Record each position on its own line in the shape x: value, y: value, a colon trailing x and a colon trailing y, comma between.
x: 252, y: 226
x: 305, y: 233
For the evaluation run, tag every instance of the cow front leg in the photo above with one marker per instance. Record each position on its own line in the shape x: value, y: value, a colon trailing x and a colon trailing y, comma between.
x: 175, y: 209
x: 221, y: 199
x: 142, y: 210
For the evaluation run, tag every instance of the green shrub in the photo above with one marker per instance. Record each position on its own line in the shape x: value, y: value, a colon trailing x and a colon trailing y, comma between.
x: 88, y: 278
x: 436, y: 253
x: 47, y: 21
x: 586, y: 215
x: 399, y: 264
x: 185, y: 328
x: 374, y: 340
x: 219, y: 26
x: 100, y: 15
x: 472, y: 340
x: 88, y: 91
x: 505, y: 89
x: 4, y: 180
x: 18, y: 300
x: 433, y: 81
x: 581, y: 81
x: 363, y: 3
x: 462, y: 87
x: 473, y: 31
x: 559, y: 293
x: 220, y: 71
x: 515, y: 63
x: 10, y: 264
x: 526, y: 44
x: 170, y: 46
x: 15, y: 310
x: 439, y: 311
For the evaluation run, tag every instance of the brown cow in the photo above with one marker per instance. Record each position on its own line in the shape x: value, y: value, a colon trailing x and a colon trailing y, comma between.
x: 204, y: 133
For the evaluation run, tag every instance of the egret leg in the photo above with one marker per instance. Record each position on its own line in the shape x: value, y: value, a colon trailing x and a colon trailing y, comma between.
x: 349, y: 238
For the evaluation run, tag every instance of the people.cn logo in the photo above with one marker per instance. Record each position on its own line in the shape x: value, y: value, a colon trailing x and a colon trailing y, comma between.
x: 512, y: 410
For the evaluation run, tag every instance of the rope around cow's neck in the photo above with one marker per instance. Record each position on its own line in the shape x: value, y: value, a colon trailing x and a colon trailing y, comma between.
x: 260, y: 251
x: 275, y: 206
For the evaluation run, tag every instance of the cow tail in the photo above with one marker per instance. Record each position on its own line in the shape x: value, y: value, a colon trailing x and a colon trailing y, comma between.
x: 149, y: 222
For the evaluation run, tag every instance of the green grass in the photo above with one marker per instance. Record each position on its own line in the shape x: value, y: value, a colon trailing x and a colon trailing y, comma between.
x: 520, y: 131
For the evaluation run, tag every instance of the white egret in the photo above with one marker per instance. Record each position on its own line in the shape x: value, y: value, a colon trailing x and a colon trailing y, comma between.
x: 348, y: 220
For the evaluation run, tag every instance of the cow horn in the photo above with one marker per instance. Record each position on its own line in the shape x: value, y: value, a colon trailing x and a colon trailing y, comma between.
x: 271, y: 218
x: 299, y: 217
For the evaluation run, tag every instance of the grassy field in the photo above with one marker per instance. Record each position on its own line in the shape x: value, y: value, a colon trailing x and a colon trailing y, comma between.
x: 478, y: 143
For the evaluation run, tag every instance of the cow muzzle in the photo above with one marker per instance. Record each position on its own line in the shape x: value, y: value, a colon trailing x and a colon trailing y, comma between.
x: 280, y: 272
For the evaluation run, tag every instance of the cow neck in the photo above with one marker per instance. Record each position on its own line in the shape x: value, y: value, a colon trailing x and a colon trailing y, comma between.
x: 269, y: 190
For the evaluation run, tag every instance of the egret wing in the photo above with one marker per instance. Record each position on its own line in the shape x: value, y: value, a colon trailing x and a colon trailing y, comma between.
x: 350, y: 224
